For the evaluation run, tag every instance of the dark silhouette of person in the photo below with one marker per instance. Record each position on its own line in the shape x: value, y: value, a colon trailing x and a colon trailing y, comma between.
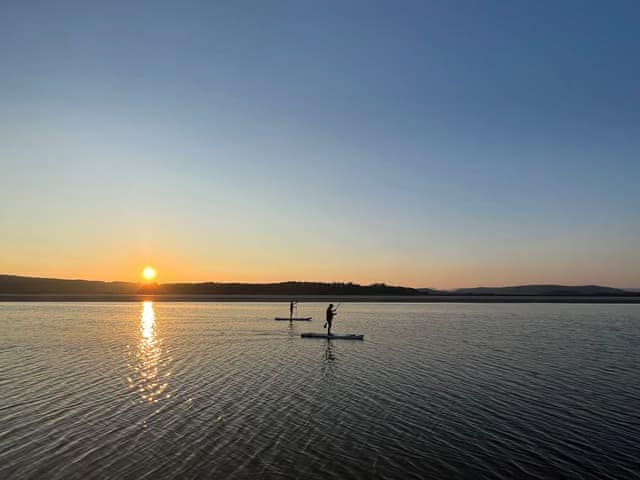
x: 292, y: 305
x: 331, y: 312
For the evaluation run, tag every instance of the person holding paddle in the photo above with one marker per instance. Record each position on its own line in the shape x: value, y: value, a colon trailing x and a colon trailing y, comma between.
x: 331, y: 312
x: 292, y: 306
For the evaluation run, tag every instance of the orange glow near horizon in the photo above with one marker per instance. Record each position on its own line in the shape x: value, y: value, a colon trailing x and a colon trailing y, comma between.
x: 149, y: 273
x: 179, y: 267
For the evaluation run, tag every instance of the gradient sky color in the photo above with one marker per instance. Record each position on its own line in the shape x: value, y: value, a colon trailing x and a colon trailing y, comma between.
x: 438, y: 144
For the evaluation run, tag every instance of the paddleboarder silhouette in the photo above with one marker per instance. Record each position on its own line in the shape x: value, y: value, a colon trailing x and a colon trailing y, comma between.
x: 331, y: 312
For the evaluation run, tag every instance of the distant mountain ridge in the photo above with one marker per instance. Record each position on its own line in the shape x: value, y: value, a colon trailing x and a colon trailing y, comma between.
x: 548, y: 290
x: 14, y: 284
x: 29, y: 285
x: 19, y: 285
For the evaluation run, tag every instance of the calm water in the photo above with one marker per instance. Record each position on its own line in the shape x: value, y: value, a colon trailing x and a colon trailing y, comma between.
x: 222, y: 391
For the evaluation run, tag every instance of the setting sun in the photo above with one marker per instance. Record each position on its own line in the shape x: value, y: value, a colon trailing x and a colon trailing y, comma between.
x: 149, y: 273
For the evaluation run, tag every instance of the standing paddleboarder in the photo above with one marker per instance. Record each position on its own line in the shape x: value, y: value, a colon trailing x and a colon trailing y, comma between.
x: 292, y: 306
x: 331, y: 312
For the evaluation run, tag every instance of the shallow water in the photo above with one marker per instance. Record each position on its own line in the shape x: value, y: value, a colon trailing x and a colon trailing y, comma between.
x: 126, y: 390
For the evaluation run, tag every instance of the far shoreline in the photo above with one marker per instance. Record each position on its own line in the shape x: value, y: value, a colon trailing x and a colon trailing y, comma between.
x: 586, y: 299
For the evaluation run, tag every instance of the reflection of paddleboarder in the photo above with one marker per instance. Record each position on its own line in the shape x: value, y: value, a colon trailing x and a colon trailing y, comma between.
x: 331, y: 312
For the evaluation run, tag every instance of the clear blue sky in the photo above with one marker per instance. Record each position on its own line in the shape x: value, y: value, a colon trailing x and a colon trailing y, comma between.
x: 424, y: 143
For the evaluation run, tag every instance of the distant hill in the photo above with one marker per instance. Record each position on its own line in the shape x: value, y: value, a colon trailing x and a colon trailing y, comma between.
x: 547, y: 290
x: 12, y: 284
x: 18, y: 285
x: 31, y: 285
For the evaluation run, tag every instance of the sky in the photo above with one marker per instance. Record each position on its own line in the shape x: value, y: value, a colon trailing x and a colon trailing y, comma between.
x: 431, y: 144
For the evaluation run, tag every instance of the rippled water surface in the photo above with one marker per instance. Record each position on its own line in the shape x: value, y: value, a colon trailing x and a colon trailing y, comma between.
x: 125, y: 390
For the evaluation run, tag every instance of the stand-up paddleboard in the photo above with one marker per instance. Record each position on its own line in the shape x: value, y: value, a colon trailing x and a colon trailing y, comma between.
x: 334, y: 336
x: 295, y: 319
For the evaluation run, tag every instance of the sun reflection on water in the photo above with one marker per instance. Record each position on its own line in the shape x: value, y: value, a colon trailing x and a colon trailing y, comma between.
x: 148, y: 321
x: 148, y: 363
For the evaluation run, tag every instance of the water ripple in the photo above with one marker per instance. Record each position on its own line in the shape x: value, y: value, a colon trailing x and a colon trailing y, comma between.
x: 220, y: 390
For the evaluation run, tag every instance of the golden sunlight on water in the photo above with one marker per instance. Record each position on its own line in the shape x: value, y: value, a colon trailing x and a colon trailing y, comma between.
x: 149, y: 372
x: 148, y: 322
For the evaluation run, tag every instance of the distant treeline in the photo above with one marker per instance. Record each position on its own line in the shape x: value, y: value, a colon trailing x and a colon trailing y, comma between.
x: 17, y: 285
x: 11, y: 284
x: 283, y: 288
